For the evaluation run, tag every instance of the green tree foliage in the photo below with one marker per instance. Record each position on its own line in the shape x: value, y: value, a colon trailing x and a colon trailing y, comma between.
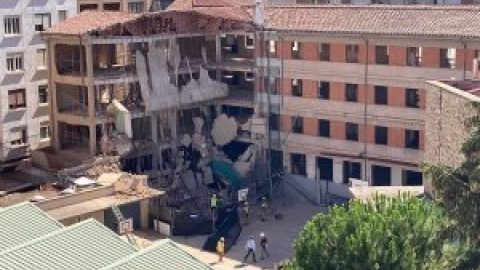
x: 458, y: 189
x: 402, y: 233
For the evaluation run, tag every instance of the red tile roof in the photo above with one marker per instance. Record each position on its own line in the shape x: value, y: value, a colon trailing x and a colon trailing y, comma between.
x: 91, y: 20
x: 189, y: 4
x: 377, y: 19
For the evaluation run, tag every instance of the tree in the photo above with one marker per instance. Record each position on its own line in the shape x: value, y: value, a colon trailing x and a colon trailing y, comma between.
x: 402, y: 233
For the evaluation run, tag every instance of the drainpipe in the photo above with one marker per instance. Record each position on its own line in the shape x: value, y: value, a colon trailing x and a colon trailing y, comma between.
x: 464, y: 58
x: 365, y: 133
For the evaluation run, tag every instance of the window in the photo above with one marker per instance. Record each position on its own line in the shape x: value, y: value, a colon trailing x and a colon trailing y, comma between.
x: 249, y: 42
x: 412, y: 139
x: 249, y: 77
x: 323, y: 90
x: 411, y: 98
x: 135, y: 7
x: 42, y: 22
x: 381, y: 175
x: 351, y: 131
x: 12, y: 25
x: 414, y: 56
x: 271, y: 46
x: 381, y: 95
x: 41, y: 58
x: 62, y: 15
x: 351, y: 170
x: 88, y: 7
x: 412, y: 178
x: 18, y: 136
x: 15, y: 62
x: 324, y: 51
x: 381, y: 135
x: 351, y: 92
x: 352, y: 53
x: 297, y: 125
x: 381, y: 55
x: 44, y: 131
x: 297, y: 88
x: 42, y: 94
x: 447, y: 58
x: 16, y: 99
x: 274, y: 121
x: 296, y: 50
x: 298, y: 164
x: 325, y: 168
x: 323, y: 128
x: 111, y: 6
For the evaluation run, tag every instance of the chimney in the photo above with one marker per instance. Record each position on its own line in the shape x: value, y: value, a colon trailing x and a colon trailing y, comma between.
x: 475, y: 68
x: 259, y: 16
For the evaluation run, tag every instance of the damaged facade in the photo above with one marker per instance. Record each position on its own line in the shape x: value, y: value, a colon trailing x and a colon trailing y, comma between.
x: 330, y: 100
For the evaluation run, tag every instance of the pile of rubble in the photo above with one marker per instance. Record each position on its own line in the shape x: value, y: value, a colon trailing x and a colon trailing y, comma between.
x: 107, y: 166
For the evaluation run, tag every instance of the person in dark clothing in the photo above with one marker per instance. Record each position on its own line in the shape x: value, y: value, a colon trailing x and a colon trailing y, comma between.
x: 263, y: 246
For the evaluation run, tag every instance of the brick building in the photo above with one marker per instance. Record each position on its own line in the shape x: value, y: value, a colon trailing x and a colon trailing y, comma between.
x: 342, y: 87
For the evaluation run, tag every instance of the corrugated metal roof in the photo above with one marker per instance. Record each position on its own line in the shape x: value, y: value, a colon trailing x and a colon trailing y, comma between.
x: 164, y: 254
x: 22, y: 223
x: 86, y: 245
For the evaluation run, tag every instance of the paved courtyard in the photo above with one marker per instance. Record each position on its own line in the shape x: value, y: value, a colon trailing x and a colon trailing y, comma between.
x: 280, y: 233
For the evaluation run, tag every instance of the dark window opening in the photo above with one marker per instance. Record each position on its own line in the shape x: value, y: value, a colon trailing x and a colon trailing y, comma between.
x: 381, y: 55
x: 323, y: 90
x: 324, y: 51
x: 274, y: 121
x: 381, y: 95
x: 325, y: 168
x: 412, y: 98
x: 323, y: 128
x: 351, y: 53
x: 381, y: 176
x: 297, y: 90
x: 296, y: 50
x: 412, y: 178
x: 297, y: 125
x: 412, y: 139
x: 351, y: 130
x: 298, y: 164
x: 351, y: 92
x: 351, y: 169
x: 381, y: 135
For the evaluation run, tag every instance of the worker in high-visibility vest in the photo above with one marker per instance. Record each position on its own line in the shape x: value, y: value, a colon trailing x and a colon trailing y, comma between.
x: 213, y: 202
x: 221, y: 249
x: 264, y: 208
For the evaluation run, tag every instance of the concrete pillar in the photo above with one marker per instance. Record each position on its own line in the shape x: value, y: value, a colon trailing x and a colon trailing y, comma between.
x: 52, y: 88
x: 218, y: 56
x: 396, y: 175
x: 91, y: 97
x: 154, y: 120
x: 144, y: 212
x: 337, y: 171
x: 286, y: 161
x: 311, y: 173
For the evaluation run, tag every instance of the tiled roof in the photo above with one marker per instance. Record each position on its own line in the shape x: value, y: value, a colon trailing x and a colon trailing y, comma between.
x: 22, y: 223
x: 189, y: 4
x: 91, y: 20
x: 85, y: 245
x: 376, y: 19
x: 164, y: 254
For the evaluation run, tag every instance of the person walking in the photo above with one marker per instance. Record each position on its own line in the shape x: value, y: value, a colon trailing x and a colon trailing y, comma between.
x: 263, y: 245
x: 221, y: 249
x: 250, y: 246
x: 213, y: 208
x: 245, y: 211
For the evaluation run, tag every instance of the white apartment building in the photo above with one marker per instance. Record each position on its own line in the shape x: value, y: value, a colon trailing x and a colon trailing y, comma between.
x: 24, y: 98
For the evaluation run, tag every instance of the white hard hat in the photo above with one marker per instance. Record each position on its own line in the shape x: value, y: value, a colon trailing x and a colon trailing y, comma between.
x: 262, y: 234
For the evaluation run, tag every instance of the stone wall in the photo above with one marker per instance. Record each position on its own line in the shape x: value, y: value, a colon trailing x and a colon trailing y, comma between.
x: 446, y: 111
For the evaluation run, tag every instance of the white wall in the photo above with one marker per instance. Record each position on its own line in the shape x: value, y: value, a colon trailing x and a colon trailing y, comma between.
x: 27, y: 42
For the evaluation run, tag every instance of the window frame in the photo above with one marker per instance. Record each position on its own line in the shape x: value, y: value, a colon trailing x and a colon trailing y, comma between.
x: 297, y: 125
x: 40, y: 95
x: 272, y: 46
x: 351, y: 92
x: 41, y: 27
x: 323, y: 86
x: 382, y: 56
x: 324, y: 128
x: 351, y: 53
x: 409, y: 139
x: 381, y: 135
x: 274, y: 122
x: 448, y: 58
x: 380, y: 99
x: 416, y: 56
x: 17, y: 63
x: 47, y: 127
x: 247, y: 39
x: 14, y: 94
x: 135, y: 5
x: 409, y: 103
x: 324, y: 52
x: 296, y: 50
x: 301, y: 163
x: 297, y: 87
x: 349, y: 135
x: 23, y: 140
x: 12, y: 25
